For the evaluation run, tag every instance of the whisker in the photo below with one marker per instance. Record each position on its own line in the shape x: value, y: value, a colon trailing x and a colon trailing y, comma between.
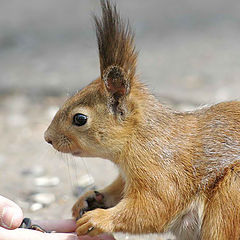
x: 69, y: 175
x: 87, y: 170
x: 75, y: 169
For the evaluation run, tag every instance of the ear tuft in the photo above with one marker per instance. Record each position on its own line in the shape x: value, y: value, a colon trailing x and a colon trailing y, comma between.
x: 117, y: 55
x: 116, y: 81
x: 117, y: 52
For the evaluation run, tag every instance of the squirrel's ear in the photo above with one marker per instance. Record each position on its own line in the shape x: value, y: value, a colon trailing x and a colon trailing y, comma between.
x: 117, y: 52
x: 116, y: 82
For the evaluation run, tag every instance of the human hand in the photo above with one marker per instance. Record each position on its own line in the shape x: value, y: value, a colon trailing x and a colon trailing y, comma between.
x: 11, y: 217
x: 11, y: 214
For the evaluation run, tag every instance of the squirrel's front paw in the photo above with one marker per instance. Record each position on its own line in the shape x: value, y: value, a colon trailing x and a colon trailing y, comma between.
x: 89, y: 201
x: 94, y: 223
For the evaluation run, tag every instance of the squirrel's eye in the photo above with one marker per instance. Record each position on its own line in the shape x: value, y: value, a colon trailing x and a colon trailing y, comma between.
x: 79, y: 119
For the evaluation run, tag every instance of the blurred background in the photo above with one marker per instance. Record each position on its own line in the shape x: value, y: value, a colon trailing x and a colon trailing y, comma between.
x: 189, y: 56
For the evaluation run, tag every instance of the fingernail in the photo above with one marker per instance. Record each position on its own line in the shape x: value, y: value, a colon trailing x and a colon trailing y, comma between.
x: 7, y: 217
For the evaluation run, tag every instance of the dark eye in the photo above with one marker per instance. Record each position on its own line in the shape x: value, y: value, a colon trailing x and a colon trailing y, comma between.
x: 79, y: 119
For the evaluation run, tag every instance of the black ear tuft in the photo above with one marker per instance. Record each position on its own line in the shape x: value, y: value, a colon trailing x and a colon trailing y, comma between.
x: 117, y: 52
x: 117, y: 56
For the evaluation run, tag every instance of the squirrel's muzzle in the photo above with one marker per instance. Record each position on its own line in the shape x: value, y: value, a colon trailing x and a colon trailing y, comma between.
x: 47, y: 137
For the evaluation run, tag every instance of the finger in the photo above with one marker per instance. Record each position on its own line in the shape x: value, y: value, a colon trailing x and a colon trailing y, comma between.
x: 11, y: 214
x: 100, y: 237
x: 26, y: 234
x: 63, y: 226
x: 106, y: 237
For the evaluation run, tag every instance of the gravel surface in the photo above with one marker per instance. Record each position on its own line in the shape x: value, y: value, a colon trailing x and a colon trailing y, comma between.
x: 189, y: 55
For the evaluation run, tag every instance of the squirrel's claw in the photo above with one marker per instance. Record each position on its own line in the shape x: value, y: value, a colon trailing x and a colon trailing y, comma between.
x: 93, y: 223
x: 88, y: 203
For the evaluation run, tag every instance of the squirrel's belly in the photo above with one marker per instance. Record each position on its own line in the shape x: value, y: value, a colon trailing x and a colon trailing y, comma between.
x: 187, y: 225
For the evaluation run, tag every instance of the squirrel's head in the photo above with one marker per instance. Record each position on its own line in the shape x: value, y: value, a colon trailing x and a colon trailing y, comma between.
x: 98, y: 119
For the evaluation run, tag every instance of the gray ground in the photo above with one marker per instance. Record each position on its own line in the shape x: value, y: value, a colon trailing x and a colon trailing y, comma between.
x: 189, y: 55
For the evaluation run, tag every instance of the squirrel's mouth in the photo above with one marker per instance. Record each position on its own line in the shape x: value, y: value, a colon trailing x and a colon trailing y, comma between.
x: 76, y: 153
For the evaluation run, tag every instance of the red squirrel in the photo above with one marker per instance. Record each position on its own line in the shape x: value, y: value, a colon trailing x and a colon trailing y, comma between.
x: 178, y: 171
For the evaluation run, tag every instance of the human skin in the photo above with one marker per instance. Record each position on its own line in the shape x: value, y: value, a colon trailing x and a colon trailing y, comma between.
x: 11, y: 217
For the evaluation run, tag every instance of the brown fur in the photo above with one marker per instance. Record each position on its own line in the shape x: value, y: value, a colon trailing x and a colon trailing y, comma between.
x: 178, y: 172
x: 115, y: 41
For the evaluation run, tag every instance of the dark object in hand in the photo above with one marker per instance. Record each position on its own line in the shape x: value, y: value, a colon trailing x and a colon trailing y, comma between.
x: 27, y: 224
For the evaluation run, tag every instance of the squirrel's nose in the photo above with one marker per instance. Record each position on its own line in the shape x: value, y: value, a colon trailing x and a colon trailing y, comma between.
x: 47, y: 138
x: 49, y: 141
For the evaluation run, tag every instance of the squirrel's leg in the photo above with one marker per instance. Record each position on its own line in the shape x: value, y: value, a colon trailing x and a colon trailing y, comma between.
x: 222, y: 211
x: 138, y: 213
x: 105, y: 198
x: 114, y: 192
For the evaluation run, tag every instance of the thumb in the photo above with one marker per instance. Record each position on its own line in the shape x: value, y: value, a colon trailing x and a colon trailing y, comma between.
x: 11, y: 214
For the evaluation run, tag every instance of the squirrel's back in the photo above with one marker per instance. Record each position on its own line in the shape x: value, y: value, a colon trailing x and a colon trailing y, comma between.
x: 218, y: 139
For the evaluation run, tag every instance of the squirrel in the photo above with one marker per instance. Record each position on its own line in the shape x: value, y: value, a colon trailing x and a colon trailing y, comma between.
x: 178, y: 171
